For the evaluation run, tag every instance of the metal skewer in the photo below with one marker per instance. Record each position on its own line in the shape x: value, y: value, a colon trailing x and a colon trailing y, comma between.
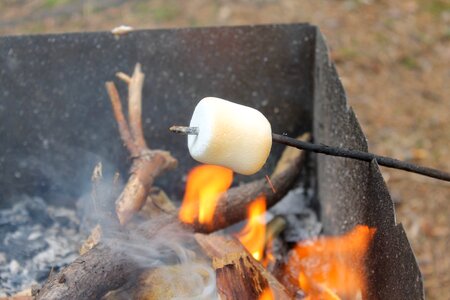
x: 340, y: 152
x: 184, y: 130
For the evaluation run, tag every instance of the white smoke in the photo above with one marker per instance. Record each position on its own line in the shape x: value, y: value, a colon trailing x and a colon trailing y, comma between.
x: 158, y: 243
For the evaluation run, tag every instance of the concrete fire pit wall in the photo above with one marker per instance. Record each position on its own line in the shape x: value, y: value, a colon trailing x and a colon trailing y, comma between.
x: 353, y: 192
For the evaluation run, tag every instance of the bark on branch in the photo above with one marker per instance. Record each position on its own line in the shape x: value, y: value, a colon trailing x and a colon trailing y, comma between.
x: 90, y: 276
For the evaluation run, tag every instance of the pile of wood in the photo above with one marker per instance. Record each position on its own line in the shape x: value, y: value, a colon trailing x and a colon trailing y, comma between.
x: 100, y: 269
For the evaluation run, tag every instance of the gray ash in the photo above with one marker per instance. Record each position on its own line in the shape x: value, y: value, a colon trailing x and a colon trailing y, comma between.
x: 34, y: 238
x: 297, y: 208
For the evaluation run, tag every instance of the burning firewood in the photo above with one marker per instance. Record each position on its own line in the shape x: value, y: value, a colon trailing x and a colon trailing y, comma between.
x: 238, y: 274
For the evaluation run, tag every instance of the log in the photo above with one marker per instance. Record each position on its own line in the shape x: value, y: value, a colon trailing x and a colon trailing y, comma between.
x: 90, y: 276
x: 238, y: 274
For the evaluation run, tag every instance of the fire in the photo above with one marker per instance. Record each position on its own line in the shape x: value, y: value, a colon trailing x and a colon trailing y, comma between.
x: 326, y: 268
x: 252, y: 236
x: 266, y: 295
x: 205, y: 184
x: 332, y: 267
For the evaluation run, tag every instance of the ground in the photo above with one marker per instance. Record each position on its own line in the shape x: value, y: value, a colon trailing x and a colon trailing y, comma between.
x: 394, y: 61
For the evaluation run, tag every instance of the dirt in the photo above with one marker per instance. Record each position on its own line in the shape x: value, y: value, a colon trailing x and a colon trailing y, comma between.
x: 393, y: 60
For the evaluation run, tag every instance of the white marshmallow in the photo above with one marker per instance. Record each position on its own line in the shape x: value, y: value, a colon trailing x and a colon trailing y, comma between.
x: 230, y: 135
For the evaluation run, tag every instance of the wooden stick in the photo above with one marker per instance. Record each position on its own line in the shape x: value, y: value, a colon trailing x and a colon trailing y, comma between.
x: 135, y: 107
x: 124, y: 77
x: 124, y: 130
x: 147, y: 164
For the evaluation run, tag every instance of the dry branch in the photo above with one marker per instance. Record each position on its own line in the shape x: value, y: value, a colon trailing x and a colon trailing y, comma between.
x: 135, y: 107
x: 147, y: 164
x: 124, y: 131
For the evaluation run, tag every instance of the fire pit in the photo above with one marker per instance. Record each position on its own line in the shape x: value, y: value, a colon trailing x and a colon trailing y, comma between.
x: 58, y: 124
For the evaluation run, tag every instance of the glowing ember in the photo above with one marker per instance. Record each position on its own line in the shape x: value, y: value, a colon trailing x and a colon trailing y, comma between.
x: 332, y: 267
x: 204, y: 186
x: 252, y: 236
x: 266, y: 295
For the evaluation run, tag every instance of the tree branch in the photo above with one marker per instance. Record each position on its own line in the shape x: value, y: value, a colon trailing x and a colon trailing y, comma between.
x: 147, y: 164
x: 124, y: 130
x: 135, y: 106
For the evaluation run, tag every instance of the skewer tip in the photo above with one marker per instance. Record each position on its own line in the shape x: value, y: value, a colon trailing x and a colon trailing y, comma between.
x: 184, y: 130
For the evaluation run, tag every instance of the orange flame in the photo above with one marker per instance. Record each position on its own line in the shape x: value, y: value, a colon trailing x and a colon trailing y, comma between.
x: 252, y: 236
x: 332, y: 266
x: 266, y: 295
x: 204, y: 186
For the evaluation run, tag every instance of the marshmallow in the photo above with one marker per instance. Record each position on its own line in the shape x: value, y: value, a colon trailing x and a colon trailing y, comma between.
x: 230, y: 135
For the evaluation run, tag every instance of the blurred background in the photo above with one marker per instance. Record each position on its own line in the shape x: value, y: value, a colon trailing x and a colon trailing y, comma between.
x: 393, y: 58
